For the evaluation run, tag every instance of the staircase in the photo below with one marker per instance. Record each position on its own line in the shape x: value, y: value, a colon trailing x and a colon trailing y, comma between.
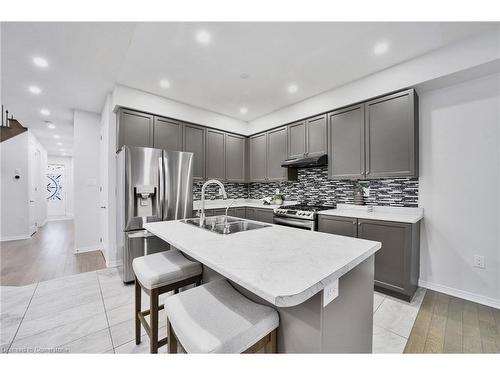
x: 10, y: 127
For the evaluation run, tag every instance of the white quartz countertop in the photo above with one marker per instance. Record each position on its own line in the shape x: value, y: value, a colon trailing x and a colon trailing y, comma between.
x: 398, y: 214
x: 282, y: 265
x: 240, y: 202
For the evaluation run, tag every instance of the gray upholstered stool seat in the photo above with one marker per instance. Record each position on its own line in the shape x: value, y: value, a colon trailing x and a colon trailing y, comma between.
x: 168, y: 267
x: 157, y: 274
x: 215, y: 318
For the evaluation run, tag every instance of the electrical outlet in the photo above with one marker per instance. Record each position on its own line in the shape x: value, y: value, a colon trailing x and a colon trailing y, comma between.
x: 330, y: 292
x: 478, y: 261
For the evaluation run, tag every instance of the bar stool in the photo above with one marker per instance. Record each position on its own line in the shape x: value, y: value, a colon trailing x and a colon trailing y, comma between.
x: 157, y: 274
x: 215, y: 318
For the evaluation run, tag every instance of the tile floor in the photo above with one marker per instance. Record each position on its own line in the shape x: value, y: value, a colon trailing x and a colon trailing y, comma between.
x: 93, y: 313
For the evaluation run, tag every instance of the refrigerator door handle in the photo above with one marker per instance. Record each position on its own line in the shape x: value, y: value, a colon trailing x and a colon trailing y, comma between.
x: 161, y: 178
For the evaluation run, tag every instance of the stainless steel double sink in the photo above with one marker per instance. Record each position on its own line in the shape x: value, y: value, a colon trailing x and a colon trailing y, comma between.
x: 218, y: 224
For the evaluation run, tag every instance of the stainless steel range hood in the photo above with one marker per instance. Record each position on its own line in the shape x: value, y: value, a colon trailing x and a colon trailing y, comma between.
x: 306, y: 162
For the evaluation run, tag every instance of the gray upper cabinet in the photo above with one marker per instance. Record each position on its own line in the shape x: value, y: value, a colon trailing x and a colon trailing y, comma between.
x: 343, y: 226
x: 235, y: 157
x: 316, y: 139
x: 297, y: 140
x: 276, y: 154
x: 391, y: 131
x: 346, y: 154
x: 194, y: 141
x: 167, y: 134
x: 258, y: 157
x: 134, y: 129
x: 215, y: 154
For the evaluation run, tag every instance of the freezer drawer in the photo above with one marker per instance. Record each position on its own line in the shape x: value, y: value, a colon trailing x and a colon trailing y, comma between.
x: 139, y: 243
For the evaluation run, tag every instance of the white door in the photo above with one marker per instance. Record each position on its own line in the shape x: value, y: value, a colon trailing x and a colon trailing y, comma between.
x: 34, y: 173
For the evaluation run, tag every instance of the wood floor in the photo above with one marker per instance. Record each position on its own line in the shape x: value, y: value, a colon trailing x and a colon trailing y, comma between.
x: 48, y: 254
x: 447, y: 324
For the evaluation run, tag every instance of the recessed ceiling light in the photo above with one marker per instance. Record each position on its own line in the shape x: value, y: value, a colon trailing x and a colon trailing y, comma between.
x: 45, y: 112
x: 51, y: 125
x: 57, y: 136
x: 243, y: 110
x: 203, y: 37
x: 40, y: 62
x: 165, y: 83
x: 35, y: 90
x: 293, y: 88
x: 244, y: 76
x: 59, y: 143
x: 380, y: 48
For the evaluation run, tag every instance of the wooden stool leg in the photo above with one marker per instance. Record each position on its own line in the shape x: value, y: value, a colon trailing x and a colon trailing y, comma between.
x: 271, y: 346
x: 138, y: 292
x: 153, y: 307
x: 172, y: 340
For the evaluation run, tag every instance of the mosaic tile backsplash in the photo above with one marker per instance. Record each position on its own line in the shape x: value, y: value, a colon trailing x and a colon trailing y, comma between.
x: 314, y: 187
x: 212, y: 192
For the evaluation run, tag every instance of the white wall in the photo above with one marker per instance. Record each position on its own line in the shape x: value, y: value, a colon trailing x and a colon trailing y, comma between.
x: 86, y: 181
x: 460, y: 189
x: 18, y: 153
x: 68, y: 186
x: 455, y: 58
x: 143, y: 101
x: 15, y: 192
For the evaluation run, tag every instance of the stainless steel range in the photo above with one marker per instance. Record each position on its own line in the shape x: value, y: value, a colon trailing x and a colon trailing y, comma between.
x: 302, y: 216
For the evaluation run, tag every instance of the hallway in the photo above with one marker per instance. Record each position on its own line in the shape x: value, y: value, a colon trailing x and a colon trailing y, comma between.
x: 47, y: 255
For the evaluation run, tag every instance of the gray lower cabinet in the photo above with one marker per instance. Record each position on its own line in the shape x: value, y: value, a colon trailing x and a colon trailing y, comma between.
x: 397, y: 263
x: 343, y: 226
x: 391, y: 131
x: 260, y: 214
x: 240, y: 212
x: 194, y: 141
x: 276, y: 154
x: 237, y: 212
x: 297, y: 140
x: 214, y: 212
x: 215, y: 154
x: 134, y: 129
x: 258, y: 157
x: 316, y: 136
x: 346, y: 156
x: 250, y: 213
x: 235, y: 157
x: 167, y: 134
x: 265, y: 215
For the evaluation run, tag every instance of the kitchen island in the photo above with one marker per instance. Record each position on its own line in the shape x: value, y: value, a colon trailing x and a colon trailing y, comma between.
x: 297, y: 272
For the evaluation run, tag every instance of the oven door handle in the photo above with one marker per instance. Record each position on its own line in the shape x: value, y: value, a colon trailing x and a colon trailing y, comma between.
x: 297, y: 223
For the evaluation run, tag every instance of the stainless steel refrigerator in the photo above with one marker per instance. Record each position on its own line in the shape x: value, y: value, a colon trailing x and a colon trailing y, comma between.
x: 152, y: 185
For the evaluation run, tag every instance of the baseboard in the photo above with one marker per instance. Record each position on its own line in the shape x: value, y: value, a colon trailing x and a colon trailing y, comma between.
x: 112, y: 263
x: 483, y: 300
x: 86, y: 249
x: 58, y: 218
x: 15, y: 238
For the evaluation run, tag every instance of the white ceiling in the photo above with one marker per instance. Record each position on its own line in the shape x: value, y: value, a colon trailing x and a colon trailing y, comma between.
x: 87, y: 59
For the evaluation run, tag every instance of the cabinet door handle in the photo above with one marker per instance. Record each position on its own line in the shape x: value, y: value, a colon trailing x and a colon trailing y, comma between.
x: 354, y: 222
x: 359, y: 224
